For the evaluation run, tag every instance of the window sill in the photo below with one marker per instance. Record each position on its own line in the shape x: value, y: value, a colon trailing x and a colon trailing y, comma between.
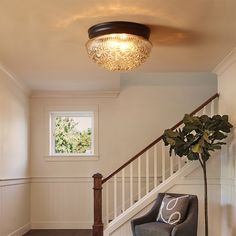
x: 71, y: 158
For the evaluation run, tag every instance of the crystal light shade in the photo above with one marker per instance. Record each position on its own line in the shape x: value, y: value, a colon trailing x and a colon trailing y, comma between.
x: 119, y: 45
x: 119, y: 52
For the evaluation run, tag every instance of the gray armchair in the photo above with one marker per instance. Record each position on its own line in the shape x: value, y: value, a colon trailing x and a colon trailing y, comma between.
x: 148, y: 226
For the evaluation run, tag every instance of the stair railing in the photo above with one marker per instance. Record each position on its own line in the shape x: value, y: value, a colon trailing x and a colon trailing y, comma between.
x: 138, y: 176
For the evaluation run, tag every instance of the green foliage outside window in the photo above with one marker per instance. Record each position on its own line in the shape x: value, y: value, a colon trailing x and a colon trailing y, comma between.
x: 68, y: 139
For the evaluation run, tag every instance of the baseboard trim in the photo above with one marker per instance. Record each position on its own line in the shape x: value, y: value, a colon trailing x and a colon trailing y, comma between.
x: 22, y: 230
x: 61, y: 225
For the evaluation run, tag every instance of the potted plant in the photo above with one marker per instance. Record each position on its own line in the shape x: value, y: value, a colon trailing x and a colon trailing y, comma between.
x: 198, y: 137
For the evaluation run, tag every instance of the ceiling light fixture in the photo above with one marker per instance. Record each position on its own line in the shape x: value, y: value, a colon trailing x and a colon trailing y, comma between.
x: 119, y: 45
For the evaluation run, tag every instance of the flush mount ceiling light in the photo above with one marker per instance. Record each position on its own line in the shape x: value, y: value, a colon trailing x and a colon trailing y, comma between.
x: 119, y: 45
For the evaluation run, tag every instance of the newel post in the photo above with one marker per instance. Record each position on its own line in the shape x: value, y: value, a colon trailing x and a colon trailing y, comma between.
x: 97, y: 190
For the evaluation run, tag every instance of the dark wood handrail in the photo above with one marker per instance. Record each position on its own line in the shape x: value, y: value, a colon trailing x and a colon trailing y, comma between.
x: 158, y: 139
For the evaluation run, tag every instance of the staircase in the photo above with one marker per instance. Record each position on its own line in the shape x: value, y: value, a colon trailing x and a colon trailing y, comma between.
x: 134, y: 185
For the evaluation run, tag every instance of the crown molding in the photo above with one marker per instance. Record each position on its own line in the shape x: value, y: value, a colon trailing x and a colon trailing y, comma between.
x: 14, y: 79
x: 225, y: 63
x: 74, y: 94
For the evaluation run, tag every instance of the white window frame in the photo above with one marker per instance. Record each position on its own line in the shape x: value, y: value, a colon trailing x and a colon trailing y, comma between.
x: 51, y: 113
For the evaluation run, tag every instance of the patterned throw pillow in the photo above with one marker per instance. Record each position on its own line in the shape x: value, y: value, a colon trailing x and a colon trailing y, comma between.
x: 173, y: 209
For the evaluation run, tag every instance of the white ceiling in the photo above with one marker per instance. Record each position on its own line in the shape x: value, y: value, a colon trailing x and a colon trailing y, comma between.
x: 42, y: 41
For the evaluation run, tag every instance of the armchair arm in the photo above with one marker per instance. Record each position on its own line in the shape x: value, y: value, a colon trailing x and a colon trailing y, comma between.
x: 150, y: 216
x: 189, y: 226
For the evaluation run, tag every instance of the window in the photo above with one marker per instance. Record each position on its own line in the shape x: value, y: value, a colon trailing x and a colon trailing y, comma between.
x: 72, y: 134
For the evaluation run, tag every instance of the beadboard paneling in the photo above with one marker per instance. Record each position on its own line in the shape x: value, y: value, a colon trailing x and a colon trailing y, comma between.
x: 61, y: 203
x: 14, y: 207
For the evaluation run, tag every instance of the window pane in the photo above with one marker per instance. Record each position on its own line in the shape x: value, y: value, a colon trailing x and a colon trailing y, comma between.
x: 73, y: 134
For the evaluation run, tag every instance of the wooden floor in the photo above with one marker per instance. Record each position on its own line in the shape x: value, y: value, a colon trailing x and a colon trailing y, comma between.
x: 60, y: 232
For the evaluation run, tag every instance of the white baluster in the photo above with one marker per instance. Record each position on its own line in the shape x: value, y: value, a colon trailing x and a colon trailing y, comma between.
x: 123, y: 190
x: 115, y: 196
x: 212, y: 108
x: 204, y: 110
x: 187, y: 160
x: 107, y: 202
x: 155, y: 165
x: 179, y: 163
x: 131, y: 184
x: 171, y: 165
x: 163, y: 162
x: 147, y: 172
x: 139, y: 177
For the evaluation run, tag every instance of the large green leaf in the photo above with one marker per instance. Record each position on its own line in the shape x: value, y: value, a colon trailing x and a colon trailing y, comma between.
x: 171, y: 133
x: 171, y: 141
x: 204, y: 119
x: 219, y: 135
x: 197, y: 148
x: 193, y: 156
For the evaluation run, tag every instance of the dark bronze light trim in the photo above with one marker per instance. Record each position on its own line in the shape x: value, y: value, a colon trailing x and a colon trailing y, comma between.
x: 119, y: 27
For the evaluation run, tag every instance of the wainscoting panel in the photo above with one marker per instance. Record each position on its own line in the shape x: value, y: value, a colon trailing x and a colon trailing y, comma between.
x: 61, y: 203
x: 14, y: 207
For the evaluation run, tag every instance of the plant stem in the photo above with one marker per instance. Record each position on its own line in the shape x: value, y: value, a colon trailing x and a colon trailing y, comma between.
x: 206, y: 197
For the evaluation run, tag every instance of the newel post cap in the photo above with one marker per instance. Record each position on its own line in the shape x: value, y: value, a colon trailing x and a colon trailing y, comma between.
x: 97, y: 176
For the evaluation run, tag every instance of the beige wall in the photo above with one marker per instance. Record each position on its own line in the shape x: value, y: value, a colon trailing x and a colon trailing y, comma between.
x: 14, y: 162
x: 147, y: 104
x: 13, y: 129
x: 145, y: 107
x: 227, y: 105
